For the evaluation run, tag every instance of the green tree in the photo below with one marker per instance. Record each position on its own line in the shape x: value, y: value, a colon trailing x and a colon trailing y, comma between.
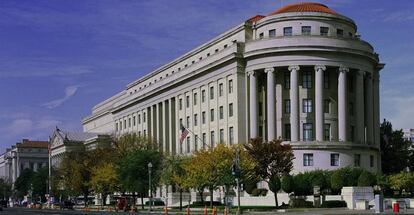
x: 274, y: 186
x: 287, y: 183
x: 366, y: 179
x: 104, y: 179
x: 272, y: 158
x: 403, y: 182
x: 5, y: 188
x: 395, y: 150
x: 132, y: 171
x: 337, y: 180
x: 39, y: 182
x: 22, y: 185
x: 173, y: 174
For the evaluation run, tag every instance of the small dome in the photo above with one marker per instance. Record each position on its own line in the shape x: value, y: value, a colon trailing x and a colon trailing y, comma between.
x: 304, y: 7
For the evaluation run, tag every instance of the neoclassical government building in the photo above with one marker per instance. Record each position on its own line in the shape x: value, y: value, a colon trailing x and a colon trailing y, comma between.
x: 301, y: 74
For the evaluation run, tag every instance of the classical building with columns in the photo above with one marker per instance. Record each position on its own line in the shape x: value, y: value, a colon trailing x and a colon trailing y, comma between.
x: 27, y: 154
x: 301, y: 74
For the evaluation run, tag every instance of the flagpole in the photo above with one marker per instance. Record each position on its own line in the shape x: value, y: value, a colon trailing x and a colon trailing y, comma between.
x: 204, y: 144
x: 50, y: 171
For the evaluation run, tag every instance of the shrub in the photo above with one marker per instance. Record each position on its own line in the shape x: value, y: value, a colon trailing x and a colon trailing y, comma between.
x: 300, y: 203
x: 287, y: 184
x: 302, y: 184
x: 199, y: 203
x: 249, y: 187
x: 156, y: 203
x: 337, y: 180
x: 366, y: 179
x: 318, y: 178
x: 352, y: 175
x: 334, y: 204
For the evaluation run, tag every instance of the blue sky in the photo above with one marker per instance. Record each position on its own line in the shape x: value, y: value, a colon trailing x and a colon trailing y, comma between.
x: 59, y: 58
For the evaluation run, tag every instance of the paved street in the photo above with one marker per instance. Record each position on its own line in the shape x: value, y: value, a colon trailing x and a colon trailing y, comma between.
x: 19, y: 211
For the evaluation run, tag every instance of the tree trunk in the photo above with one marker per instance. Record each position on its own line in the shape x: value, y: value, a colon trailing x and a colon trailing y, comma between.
x: 211, y: 197
x: 201, y: 192
x: 276, y: 199
x: 142, y: 202
x: 134, y: 198
x: 181, y: 199
x: 85, y: 198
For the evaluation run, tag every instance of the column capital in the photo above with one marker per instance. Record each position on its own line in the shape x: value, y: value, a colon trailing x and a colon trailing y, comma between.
x: 250, y: 73
x: 270, y: 69
x: 320, y: 67
x: 294, y: 67
x: 343, y: 69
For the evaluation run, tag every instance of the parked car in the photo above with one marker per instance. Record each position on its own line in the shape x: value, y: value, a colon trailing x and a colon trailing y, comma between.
x: 66, y: 205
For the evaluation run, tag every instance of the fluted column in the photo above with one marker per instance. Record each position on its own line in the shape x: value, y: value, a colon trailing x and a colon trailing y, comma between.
x: 253, y: 104
x: 359, y: 106
x: 376, y: 108
x: 369, y: 101
x: 271, y: 104
x: 342, y: 104
x: 294, y: 103
x: 319, y: 113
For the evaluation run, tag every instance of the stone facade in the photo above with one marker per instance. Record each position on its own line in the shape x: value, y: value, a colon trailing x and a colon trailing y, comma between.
x: 304, y: 76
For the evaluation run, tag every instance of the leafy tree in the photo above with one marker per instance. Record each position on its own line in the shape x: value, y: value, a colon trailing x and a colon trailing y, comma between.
x: 403, y: 181
x: 303, y: 184
x: 274, y: 186
x: 272, y: 158
x: 130, y: 142
x: 39, y: 182
x: 337, y: 180
x: 173, y: 173
x: 318, y: 178
x: 22, y: 184
x: 132, y: 170
x: 395, y: 150
x: 5, y: 188
x: 288, y: 184
x: 104, y: 179
x: 366, y: 179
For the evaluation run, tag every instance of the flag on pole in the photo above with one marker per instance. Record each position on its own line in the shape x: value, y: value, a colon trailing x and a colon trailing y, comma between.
x: 184, y: 133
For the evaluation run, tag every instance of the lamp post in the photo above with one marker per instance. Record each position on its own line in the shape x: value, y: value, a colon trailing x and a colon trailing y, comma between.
x: 149, y: 181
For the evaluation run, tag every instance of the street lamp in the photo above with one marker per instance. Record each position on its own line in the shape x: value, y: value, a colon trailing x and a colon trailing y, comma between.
x: 149, y: 181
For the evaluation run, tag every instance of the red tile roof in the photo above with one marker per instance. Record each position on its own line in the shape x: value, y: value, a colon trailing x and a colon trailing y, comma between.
x: 256, y: 18
x: 33, y: 144
x: 304, y: 7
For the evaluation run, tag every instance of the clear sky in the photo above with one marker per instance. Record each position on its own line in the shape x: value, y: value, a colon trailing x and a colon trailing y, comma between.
x: 60, y: 58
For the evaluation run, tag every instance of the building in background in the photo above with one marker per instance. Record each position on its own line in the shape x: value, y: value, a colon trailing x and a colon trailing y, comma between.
x: 28, y: 154
x: 301, y: 74
x: 409, y: 134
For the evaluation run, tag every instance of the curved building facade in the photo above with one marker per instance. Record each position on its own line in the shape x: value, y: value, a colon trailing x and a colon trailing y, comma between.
x: 301, y: 74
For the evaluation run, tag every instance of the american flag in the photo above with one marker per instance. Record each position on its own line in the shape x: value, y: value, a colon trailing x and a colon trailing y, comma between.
x: 184, y: 133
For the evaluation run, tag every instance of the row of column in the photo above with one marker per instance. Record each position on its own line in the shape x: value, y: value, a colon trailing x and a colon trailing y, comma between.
x: 363, y: 96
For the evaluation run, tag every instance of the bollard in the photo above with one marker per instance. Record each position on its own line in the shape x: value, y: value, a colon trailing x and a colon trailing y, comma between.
x: 215, y: 211
x: 205, y: 210
x: 165, y: 210
x: 188, y: 210
x: 396, y: 207
x: 225, y: 211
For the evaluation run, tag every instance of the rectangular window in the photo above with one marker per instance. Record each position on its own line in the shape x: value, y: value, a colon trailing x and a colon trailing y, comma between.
x: 129, y: 122
x: 272, y: 33
x: 145, y: 117
x: 196, y: 143
x: 230, y: 109
x: 212, y: 115
x: 287, y: 132
x: 230, y: 86
x: 125, y: 124
x: 307, y: 131
x: 203, y: 96
x: 326, y: 79
x: 188, y: 144
x: 307, y: 105
x: 195, y: 119
x: 351, y: 108
x: 261, y: 35
x: 145, y: 132
x: 326, y: 105
x: 180, y: 104
x: 287, y: 105
x: 188, y: 121
x: 203, y: 117
x: 335, y: 159
x: 211, y: 93
x: 187, y: 101
x: 204, y: 139
x: 324, y: 31
x: 287, y: 31
x: 195, y: 99
x: 340, y: 32
x: 287, y: 80
x: 357, y: 160
x: 181, y: 122
x: 231, y: 135
x: 306, y: 30
x: 139, y: 118
x: 221, y: 109
x: 308, y: 159
x: 220, y: 90
x: 116, y: 126
x: 307, y: 79
x: 371, y: 160
x: 327, y: 132
x: 212, y: 139
x: 134, y: 122
x: 221, y: 135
